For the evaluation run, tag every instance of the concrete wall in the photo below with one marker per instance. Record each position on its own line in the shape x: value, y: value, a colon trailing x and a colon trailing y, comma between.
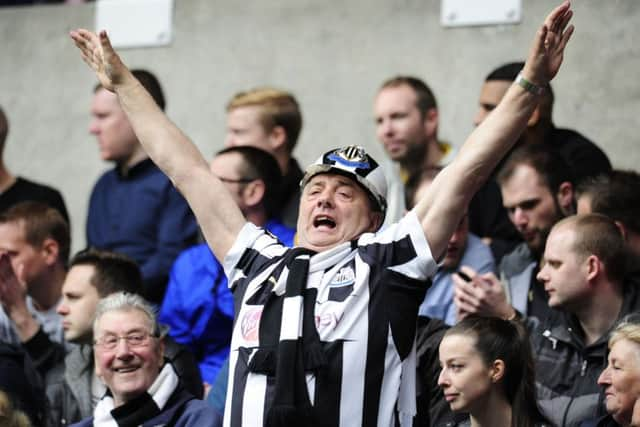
x: 332, y: 55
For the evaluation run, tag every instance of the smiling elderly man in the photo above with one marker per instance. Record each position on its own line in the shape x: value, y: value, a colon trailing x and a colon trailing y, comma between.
x: 324, y: 333
x: 143, y: 390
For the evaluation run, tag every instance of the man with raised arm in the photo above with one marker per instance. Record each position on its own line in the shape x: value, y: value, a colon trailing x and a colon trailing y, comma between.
x: 324, y: 332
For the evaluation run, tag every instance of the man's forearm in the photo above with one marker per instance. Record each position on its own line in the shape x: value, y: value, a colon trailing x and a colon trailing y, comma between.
x: 163, y: 141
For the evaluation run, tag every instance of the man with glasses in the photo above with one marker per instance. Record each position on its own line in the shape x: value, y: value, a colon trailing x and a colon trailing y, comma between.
x: 72, y: 387
x: 129, y: 357
x: 198, y: 306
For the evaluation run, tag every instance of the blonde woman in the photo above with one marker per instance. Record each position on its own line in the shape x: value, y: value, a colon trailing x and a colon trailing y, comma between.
x: 621, y: 378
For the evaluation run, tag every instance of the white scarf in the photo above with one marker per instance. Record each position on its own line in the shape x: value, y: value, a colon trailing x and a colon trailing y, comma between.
x: 160, y: 391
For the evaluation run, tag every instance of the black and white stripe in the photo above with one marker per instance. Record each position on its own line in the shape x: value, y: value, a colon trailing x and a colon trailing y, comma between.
x: 365, y: 297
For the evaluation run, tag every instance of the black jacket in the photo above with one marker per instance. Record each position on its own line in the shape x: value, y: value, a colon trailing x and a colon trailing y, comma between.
x: 567, y: 370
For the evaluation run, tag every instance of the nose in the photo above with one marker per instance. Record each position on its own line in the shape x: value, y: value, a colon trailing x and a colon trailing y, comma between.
x: 605, y: 377
x: 383, y: 127
x: 520, y: 218
x: 542, y: 274
x: 443, y: 379
x: 122, y: 349
x: 456, y: 237
x: 229, y: 140
x: 62, y: 310
x: 94, y: 129
x: 481, y: 114
x: 324, y: 200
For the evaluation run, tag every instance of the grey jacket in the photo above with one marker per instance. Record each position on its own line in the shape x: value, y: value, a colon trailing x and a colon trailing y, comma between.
x: 68, y: 387
x: 516, y: 269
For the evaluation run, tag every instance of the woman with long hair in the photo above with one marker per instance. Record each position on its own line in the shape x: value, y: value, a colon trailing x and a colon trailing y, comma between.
x: 487, y: 371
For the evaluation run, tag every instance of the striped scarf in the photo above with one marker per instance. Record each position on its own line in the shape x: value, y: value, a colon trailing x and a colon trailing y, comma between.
x: 290, y: 345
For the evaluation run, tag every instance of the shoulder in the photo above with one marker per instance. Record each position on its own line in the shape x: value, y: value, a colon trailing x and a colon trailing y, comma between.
x: 27, y: 185
x: 516, y: 260
x: 195, y: 256
x: 195, y: 413
x: 477, y: 253
x: 281, y: 231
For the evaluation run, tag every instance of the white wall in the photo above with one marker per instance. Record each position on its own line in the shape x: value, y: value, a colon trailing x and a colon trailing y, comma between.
x: 332, y: 54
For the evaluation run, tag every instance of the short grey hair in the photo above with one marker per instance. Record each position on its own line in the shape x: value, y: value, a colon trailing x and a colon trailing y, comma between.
x: 124, y: 301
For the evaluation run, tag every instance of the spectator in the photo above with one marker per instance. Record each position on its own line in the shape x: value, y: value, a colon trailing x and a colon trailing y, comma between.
x: 270, y: 119
x: 616, y: 195
x: 34, y: 242
x: 134, y: 209
x: 72, y: 386
x: 621, y: 378
x: 198, y: 306
x: 15, y: 189
x: 537, y: 192
x: 406, y: 116
x: 487, y: 371
x: 129, y: 357
x: 584, y: 274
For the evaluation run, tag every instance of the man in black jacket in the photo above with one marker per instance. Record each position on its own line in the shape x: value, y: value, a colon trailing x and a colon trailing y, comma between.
x: 584, y: 275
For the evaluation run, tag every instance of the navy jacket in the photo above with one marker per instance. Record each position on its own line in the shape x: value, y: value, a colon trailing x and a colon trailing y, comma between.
x: 142, y: 215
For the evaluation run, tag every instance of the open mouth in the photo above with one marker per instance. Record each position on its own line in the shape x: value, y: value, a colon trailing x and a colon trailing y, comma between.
x: 324, y: 221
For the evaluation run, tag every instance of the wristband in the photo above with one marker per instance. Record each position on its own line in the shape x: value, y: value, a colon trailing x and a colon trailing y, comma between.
x: 529, y: 86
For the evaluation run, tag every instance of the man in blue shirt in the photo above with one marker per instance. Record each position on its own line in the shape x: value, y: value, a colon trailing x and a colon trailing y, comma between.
x: 198, y: 306
x: 134, y: 208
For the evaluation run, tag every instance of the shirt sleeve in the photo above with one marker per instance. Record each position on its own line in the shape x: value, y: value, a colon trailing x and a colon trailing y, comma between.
x: 254, y: 247
x: 402, y: 247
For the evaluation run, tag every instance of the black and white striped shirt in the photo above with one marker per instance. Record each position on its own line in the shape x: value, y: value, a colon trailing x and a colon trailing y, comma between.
x: 368, y: 294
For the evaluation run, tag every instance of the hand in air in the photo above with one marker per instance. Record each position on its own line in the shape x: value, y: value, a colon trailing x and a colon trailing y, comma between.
x: 547, y: 50
x: 97, y: 52
x: 13, y: 291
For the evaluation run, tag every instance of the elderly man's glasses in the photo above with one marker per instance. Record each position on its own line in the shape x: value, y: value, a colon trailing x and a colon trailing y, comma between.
x: 133, y: 339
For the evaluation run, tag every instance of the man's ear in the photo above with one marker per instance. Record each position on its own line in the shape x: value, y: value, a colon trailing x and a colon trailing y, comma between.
x: 565, y: 198
x: 50, y: 249
x: 277, y: 138
x: 431, y: 122
x: 376, y: 221
x: 594, y: 267
x: 254, y: 192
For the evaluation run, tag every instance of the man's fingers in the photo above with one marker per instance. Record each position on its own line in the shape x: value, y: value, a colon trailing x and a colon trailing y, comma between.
x: 565, y: 37
x: 565, y: 21
x: 557, y: 14
x: 464, y: 306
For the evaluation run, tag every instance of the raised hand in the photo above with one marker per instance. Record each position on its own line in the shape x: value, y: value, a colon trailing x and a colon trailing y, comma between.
x: 547, y: 50
x: 13, y: 291
x: 97, y: 52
